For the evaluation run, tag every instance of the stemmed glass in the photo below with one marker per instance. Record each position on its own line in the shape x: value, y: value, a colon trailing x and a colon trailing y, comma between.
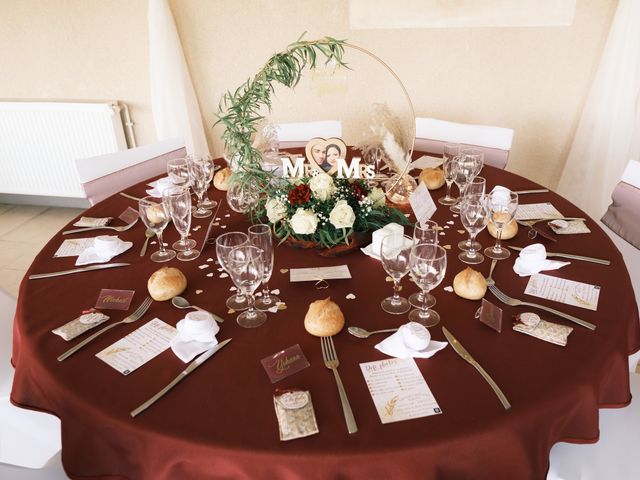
x: 240, y: 197
x: 451, y: 151
x: 476, y: 186
x: 501, y: 206
x: 155, y: 215
x: 428, y: 264
x: 425, y: 233
x: 260, y: 236
x: 178, y: 171
x: 474, y: 218
x: 199, y: 173
x: 224, y: 244
x: 246, y: 268
x: 179, y: 203
x: 206, y: 201
x: 469, y: 165
x: 476, y: 157
x: 394, y: 253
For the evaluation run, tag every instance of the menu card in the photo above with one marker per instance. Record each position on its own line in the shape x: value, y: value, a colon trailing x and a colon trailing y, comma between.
x: 318, y: 273
x: 565, y: 291
x: 138, y: 347
x: 422, y: 204
x: 399, y: 390
x: 537, y: 211
x: 73, y: 247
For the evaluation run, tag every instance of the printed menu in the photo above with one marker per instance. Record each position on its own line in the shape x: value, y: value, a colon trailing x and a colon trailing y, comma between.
x: 578, y: 294
x: 73, y: 247
x: 537, y: 211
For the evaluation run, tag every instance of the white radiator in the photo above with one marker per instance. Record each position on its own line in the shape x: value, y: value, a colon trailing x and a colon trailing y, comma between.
x: 39, y: 142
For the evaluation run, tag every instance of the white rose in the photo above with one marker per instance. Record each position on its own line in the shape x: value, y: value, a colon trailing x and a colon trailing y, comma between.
x: 342, y: 215
x: 322, y: 186
x: 377, y: 197
x: 304, y: 222
x: 276, y: 210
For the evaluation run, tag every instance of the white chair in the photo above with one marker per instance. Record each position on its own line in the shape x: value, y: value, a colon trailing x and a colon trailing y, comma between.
x: 494, y: 142
x: 28, y: 439
x: 293, y: 135
x: 105, y: 175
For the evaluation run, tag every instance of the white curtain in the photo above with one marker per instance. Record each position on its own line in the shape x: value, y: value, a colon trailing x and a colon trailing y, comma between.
x: 176, y: 113
x: 608, y: 134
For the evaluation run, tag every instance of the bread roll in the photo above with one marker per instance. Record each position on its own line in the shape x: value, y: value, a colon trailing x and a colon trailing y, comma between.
x: 470, y: 284
x: 156, y: 214
x: 509, y: 231
x: 166, y: 283
x: 324, y: 318
x: 221, y: 179
x: 433, y: 178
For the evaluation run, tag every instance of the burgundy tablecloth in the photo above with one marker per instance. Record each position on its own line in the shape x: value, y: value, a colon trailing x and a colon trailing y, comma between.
x: 220, y: 422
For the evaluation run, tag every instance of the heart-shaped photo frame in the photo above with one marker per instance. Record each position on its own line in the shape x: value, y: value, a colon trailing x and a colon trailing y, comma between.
x: 323, y: 154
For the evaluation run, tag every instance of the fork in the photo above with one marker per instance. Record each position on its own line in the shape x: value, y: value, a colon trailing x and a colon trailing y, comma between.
x: 123, y: 228
x: 140, y: 311
x: 514, y: 302
x: 331, y: 361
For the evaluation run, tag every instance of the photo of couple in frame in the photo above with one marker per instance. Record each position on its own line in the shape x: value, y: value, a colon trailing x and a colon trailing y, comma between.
x: 323, y: 153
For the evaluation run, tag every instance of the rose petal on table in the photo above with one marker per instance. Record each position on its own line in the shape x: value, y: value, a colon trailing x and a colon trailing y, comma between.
x: 350, y: 296
x: 223, y: 226
x: 259, y: 294
x: 220, y: 269
x: 223, y: 275
x: 210, y: 274
x: 447, y: 247
x: 284, y: 270
x: 448, y: 289
x: 153, y: 243
x: 209, y: 259
x: 232, y: 289
x: 455, y: 216
x: 399, y: 288
x: 230, y: 311
x: 203, y: 266
x: 388, y: 279
x: 447, y: 226
x: 217, y: 224
x: 227, y: 215
x: 196, y: 228
x: 276, y: 291
x: 450, y: 222
x: 441, y: 233
x: 439, y: 228
x: 460, y: 231
x: 218, y: 219
x: 281, y: 306
x: 198, y: 292
x: 273, y: 309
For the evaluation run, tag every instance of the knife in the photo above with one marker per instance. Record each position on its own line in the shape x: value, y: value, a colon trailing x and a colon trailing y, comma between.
x: 571, y: 256
x: 190, y: 368
x: 460, y: 350
x: 77, y: 270
x: 539, y: 190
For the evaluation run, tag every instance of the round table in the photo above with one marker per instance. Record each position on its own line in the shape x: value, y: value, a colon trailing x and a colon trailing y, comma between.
x: 220, y: 421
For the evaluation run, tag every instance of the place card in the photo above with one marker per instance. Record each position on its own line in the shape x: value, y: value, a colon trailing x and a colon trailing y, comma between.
x: 491, y: 315
x: 422, y: 204
x: 110, y: 299
x: 319, y: 273
x: 73, y: 247
x: 129, y: 215
x: 398, y: 390
x: 137, y: 348
x: 93, y: 222
x: 537, y: 211
x: 569, y: 292
x: 284, y: 363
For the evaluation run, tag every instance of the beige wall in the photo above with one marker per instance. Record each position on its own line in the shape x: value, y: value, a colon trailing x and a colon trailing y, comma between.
x: 533, y: 80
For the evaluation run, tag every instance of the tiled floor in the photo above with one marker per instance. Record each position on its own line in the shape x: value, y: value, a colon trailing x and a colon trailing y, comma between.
x: 24, y: 230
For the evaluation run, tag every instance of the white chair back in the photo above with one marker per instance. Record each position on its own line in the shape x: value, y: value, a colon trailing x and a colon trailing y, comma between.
x: 293, y: 135
x: 494, y: 142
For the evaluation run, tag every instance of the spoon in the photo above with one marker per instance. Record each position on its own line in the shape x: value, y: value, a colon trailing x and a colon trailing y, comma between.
x: 182, y: 303
x: 362, y: 333
x: 489, y: 279
x: 148, y: 233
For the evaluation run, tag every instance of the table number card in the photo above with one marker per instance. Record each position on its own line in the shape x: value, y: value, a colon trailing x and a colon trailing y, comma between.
x: 319, y: 273
x: 399, y: 390
x: 73, y: 247
x: 578, y: 294
x: 137, y: 348
x: 422, y: 204
x: 537, y: 211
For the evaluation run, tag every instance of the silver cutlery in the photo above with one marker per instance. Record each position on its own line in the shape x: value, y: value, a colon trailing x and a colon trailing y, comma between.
x: 148, y: 233
x: 536, y: 190
x: 130, y: 197
x: 489, y: 279
x: 136, y: 315
x: 460, y: 350
x: 182, y: 303
x: 190, y: 368
x: 77, y: 270
x: 123, y: 228
x: 331, y: 361
x: 514, y: 302
x: 571, y: 256
x: 362, y: 333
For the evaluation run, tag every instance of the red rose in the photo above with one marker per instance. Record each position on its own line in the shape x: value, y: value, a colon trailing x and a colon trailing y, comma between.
x: 358, y: 191
x: 300, y: 194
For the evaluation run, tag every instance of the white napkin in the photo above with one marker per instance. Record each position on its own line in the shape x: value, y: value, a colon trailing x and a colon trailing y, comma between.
x: 533, y: 259
x: 104, y: 248
x: 411, y: 340
x: 160, y: 186
x: 196, y: 334
x: 500, y: 195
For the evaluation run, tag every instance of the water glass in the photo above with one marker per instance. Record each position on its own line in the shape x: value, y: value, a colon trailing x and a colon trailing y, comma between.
x: 428, y: 265
x: 178, y: 171
x: 501, y: 206
x: 394, y: 253
x: 451, y: 151
x: 206, y: 201
x: 246, y: 268
x: 260, y: 236
x: 179, y: 203
x: 475, y: 186
x: 155, y: 215
x: 474, y: 218
x: 426, y: 232
x: 199, y: 172
x: 225, y: 243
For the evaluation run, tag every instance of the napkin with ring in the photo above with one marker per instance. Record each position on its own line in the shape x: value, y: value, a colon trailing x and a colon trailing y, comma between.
x: 196, y: 334
x: 533, y: 259
x: 531, y: 324
x: 411, y: 340
x: 104, y: 248
x: 160, y: 186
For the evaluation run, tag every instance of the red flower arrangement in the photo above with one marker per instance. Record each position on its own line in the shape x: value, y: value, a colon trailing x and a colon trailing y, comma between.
x: 300, y: 194
x: 358, y: 191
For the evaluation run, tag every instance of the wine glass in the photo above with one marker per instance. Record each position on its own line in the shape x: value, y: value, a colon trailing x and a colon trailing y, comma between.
x: 425, y: 233
x: 469, y: 164
x: 394, y: 254
x: 179, y: 204
x: 178, y: 171
x: 246, y: 268
x: 451, y: 151
x: 461, y: 173
x: 474, y: 218
x: 501, y: 206
x: 260, y: 236
x: 428, y: 265
x: 155, y: 215
x: 240, y: 197
x: 476, y: 157
x: 224, y: 244
x: 199, y: 172
x: 206, y: 201
x: 475, y: 186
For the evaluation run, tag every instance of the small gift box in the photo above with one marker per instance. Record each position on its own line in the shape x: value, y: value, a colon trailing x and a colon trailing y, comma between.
x: 88, y: 320
x: 296, y: 418
x: 531, y: 324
